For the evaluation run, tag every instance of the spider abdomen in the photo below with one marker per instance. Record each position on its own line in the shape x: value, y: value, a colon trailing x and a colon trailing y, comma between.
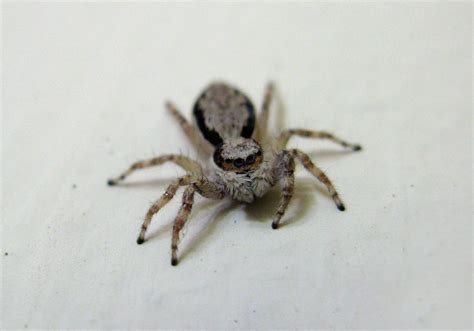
x: 223, y: 112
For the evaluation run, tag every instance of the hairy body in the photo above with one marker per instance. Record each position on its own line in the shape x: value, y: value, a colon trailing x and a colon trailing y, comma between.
x: 228, y: 131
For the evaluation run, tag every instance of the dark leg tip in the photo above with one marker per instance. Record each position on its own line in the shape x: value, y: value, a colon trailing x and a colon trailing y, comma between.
x: 357, y: 148
x: 341, y: 207
x: 274, y: 226
x: 111, y: 182
x: 140, y: 241
x: 174, y: 262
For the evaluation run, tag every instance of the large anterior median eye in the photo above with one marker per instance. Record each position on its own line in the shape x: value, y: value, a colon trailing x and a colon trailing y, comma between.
x: 239, y: 162
x: 250, y: 159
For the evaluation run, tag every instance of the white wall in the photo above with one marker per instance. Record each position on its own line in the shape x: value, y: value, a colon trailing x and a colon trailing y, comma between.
x: 83, y: 92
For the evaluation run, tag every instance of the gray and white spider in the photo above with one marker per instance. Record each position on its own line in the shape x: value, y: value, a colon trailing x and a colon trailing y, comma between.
x: 243, y: 161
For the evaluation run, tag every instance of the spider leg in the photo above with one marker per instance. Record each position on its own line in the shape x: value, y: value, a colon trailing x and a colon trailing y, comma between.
x: 187, y: 205
x: 208, y: 189
x: 319, y: 174
x: 190, y: 130
x: 286, y: 174
x: 182, y: 161
x: 160, y: 203
x: 262, y: 122
x: 282, y: 140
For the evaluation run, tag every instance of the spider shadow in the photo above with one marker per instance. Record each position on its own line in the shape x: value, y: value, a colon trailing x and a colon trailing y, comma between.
x: 329, y: 153
x: 165, y: 229
x: 148, y: 183
x: 280, y: 109
x: 162, y: 231
x: 261, y: 211
x: 264, y: 210
x: 208, y: 228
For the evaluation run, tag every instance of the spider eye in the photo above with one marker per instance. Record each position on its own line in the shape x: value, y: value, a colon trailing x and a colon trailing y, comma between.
x: 239, y: 162
x: 259, y: 153
x: 250, y: 159
x: 228, y: 161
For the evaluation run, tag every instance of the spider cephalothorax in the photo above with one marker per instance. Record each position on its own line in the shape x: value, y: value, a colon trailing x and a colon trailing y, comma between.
x: 227, y: 132
x: 238, y: 154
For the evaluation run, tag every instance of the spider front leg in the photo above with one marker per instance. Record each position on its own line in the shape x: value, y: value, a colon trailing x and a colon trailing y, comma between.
x: 205, y: 188
x: 319, y: 174
x: 160, y: 203
x: 187, y: 205
x: 285, y: 169
x: 282, y: 140
x: 184, y: 162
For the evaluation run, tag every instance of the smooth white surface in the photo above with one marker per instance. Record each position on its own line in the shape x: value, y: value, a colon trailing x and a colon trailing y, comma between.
x: 83, y: 93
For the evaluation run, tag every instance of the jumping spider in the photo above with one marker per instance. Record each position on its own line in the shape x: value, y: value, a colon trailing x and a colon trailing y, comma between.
x: 245, y: 161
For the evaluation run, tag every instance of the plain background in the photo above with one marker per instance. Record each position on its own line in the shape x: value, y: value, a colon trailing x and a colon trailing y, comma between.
x: 83, y: 91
